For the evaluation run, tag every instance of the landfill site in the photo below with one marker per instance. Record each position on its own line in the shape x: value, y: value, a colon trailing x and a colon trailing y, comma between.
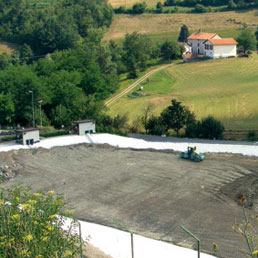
x: 149, y: 192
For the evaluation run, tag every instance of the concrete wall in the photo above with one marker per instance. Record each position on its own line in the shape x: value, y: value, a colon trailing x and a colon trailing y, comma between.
x: 30, y: 135
x: 220, y: 51
x: 224, y: 51
x: 89, y: 126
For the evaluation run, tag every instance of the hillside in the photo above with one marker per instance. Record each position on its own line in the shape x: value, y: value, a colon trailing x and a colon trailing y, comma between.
x: 224, y: 88
x: 168, y: 25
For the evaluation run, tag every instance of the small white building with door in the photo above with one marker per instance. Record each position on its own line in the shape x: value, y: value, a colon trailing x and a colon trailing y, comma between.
x: 27, y: 136
x: 220, y: 48
x: 85, y: 126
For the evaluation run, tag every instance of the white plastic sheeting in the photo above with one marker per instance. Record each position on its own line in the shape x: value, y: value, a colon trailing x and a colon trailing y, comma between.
x: 126, y: 142
x: 117, y: 243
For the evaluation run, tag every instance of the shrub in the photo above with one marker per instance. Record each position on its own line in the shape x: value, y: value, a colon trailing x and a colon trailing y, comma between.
x: 8, y: 138
x: 139, y: 8
x: 55, y: 133
x: 30, y: 226
x: 210, y: 128
x: 155, y: 126
x: 252, y: 136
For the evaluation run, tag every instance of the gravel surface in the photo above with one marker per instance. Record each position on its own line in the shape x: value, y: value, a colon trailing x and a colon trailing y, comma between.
x: 150, y: 192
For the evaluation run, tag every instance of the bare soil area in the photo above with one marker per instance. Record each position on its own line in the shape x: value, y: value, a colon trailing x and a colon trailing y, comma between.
x: 150, y: 192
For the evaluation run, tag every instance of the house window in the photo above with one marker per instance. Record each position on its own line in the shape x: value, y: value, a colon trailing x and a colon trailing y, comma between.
x: 211, y: 47
x: 206, y: 46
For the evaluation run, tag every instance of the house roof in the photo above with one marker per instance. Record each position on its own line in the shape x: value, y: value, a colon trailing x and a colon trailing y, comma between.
x: 83, y: 121
x: 26, y: 130
x: 202, y: 35
x: 224, y: 41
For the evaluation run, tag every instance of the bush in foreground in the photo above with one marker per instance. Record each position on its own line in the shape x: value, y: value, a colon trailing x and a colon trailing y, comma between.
x: 30, y: 226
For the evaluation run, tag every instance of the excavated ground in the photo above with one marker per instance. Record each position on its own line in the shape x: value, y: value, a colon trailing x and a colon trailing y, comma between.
x: 150, y: 192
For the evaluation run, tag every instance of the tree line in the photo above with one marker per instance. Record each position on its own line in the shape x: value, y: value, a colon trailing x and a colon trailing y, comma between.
x: 197, y: 6
x: 72, y: 84
x: 57, y: 26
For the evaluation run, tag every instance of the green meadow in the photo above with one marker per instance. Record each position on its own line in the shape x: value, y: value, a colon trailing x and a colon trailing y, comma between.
x: 224, y: 88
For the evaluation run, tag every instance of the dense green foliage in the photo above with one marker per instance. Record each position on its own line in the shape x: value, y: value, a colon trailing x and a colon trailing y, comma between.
x: 183, y: 34
x: 247, y: 40
x: 176, y: 116
x: 30, y: 226
x: 171, y: 50
x: 71, y: 83
x: 56, y: 26
x: 207, y: 128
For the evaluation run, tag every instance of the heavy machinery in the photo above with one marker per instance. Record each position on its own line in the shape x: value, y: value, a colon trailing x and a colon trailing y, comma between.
x: 192, y: 154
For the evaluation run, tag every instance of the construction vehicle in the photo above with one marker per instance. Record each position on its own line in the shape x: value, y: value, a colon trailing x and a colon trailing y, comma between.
x: 192, y: 154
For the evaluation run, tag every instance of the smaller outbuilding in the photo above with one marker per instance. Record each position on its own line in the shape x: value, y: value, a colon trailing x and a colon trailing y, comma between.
x: 27, y: 136
x: 85, y: 126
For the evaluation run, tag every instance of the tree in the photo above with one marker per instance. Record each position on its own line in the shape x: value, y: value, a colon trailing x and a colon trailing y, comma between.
x: 247, y: 40
x: 210, y: 128
x: 170, y: 2
x: 159, y: 7
x: 139, y: 8
x: 231, y: 4
x: 147, y: 112
x: 137, y: 50
x: 171, y: 50
x: 6, y: 109
x: 184, y: 33
x: 177, y: 116
x: 155, y: 126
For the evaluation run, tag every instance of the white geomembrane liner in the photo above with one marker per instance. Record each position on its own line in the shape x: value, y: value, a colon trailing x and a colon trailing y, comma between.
x: 126, y: 142
x: 117, y: 243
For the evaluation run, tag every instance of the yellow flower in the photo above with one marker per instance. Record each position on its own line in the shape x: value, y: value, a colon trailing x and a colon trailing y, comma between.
x: 24, y: 252
x: 43, y: 239
x: 17, y: 198
x: 37, y: 194
x: 39, y: 256
x: 51, y: 192
x: 68, y: 253
x: 50, y: 228
x: 24, y: 206
x: 15, y: 216
x: 35, y: 222
x: 28, y: 237
x: 52, y: 216
x: 255, y: 252
x: 1, y: 201
x: 31, y: 201
x: 69, y: 211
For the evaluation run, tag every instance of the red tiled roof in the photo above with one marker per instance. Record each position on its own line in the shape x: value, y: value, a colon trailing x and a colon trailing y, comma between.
x: 225, y: 41
x: 202, y: 35
x: 187, y: 56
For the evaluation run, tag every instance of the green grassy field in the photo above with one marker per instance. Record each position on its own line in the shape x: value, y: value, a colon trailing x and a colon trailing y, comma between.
x: 224, y: 88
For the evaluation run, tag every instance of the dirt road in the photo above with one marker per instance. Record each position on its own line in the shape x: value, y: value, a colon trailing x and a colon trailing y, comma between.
x: 151, y: 193
x: 133, y: 85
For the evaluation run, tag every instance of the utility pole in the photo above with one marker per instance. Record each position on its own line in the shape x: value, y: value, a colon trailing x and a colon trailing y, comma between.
x: 40, y: 102
x: 32, y: 105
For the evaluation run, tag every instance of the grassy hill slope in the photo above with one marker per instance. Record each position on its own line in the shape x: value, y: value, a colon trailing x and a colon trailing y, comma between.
x: 224, y: 88
x: 168, y: 25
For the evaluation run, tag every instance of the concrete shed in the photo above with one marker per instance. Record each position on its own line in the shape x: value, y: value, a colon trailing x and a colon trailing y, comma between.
x: 85, y: 126
x: 27, y: 136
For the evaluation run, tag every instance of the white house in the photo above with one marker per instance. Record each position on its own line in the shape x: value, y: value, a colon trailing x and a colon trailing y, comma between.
x: 218, y: 48
x: 196, y: 41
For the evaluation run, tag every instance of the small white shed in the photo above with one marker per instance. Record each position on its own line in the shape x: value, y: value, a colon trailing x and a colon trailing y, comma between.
x: 85, y: 126
x: 27, y: 136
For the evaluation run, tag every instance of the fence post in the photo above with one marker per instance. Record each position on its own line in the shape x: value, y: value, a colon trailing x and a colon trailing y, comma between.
x: 196, y: 238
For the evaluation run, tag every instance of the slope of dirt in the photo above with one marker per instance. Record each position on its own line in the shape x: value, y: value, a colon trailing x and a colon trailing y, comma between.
x: 152, y: 193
